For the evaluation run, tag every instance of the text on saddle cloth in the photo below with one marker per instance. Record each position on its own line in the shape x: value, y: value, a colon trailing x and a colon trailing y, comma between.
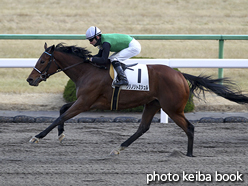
x: 137, y: 77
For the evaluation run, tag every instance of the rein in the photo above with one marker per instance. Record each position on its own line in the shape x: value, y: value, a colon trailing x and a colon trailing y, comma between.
x: 44, y: 73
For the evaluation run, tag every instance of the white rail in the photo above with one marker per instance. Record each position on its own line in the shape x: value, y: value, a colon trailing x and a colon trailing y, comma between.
x: 174, y: 63
x: 17, y: 63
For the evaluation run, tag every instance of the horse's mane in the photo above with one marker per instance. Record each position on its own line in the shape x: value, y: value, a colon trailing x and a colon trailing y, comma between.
x: 74, y: 50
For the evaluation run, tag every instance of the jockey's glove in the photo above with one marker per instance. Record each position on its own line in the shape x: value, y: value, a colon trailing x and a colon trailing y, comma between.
x: 88, y: 59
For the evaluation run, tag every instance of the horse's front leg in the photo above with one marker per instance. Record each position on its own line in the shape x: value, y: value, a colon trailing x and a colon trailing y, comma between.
x: 41, y: 135
x: 63, y: 109
x: 70, y: 112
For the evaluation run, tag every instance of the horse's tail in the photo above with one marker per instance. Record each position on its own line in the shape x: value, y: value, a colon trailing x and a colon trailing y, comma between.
x: 222, y: 87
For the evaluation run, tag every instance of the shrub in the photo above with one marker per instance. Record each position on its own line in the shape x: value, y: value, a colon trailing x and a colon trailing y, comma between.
x: 70, y: 91
x: 190, y: 105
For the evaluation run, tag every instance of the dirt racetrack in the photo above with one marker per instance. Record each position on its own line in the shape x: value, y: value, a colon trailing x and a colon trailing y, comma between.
x: 83, y: 158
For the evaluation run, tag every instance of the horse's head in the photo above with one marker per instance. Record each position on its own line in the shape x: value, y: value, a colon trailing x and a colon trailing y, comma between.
x: 44, y: 67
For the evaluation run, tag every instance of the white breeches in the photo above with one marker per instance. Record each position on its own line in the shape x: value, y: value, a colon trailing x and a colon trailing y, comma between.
x: 133, y: 50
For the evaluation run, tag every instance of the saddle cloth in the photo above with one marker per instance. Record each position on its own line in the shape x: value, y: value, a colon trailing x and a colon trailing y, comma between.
x: 138, y: 78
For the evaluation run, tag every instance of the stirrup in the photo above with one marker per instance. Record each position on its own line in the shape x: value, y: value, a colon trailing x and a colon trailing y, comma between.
x: 120, y: 83
x: 124, y: 66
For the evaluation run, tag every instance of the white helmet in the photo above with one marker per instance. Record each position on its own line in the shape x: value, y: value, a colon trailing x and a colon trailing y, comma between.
x: 92, y: 32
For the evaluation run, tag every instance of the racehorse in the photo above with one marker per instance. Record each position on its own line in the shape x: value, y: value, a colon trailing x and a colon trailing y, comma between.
x: 169, y: 90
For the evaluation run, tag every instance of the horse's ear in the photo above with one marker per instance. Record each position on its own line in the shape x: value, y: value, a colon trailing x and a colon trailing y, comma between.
x: 52, y: 48
x: 45, y: 46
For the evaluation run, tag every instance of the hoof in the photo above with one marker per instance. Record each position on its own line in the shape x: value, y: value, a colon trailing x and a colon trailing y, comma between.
x: 190, y: 155
x: 61, y: 137
x: 116, y: 151
x: 34, y: 140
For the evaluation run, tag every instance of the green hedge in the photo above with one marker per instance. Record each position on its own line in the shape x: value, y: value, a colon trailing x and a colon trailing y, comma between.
x: 70, y: 95
x: 190, y: 105
x: 70, y: 91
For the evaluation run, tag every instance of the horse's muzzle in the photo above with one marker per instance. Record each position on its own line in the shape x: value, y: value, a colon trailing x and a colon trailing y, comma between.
x: 32, y: 82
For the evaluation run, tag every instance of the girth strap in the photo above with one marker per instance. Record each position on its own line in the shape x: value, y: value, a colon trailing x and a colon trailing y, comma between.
x: 115, y: 98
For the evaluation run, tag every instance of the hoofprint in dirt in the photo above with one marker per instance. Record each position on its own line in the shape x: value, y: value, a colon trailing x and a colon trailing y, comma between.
x: 83, y: 158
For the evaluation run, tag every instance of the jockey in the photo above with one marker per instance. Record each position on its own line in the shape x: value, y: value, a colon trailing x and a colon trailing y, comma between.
x: 123, y: 46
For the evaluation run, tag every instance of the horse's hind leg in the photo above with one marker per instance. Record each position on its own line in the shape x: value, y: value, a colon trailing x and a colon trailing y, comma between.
x: 149, y: 111
x: 190, y: 134
x: 188, y: 128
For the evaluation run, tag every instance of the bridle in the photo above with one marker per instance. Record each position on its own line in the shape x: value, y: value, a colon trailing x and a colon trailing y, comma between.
x: 44, y: 73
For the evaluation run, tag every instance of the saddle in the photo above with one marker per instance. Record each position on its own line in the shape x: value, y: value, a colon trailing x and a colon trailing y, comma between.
x: 124, y: 67
x: 106, y: 67
x: 138, y: 79
x: 116, y: 90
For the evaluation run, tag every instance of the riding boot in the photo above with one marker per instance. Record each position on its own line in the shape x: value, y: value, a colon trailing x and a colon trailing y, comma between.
x: 122, y: 78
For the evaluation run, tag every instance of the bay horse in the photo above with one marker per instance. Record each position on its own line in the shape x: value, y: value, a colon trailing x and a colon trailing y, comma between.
x: 169, y: 90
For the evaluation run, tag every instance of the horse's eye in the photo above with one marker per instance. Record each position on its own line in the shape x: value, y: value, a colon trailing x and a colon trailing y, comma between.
x: 42, y: 61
